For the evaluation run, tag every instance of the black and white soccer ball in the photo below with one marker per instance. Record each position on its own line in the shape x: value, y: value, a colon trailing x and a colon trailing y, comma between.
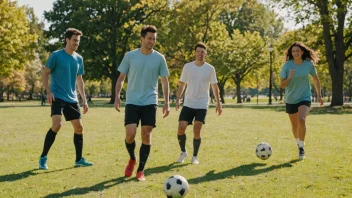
x: 263, y: 151
x: 176, y: 186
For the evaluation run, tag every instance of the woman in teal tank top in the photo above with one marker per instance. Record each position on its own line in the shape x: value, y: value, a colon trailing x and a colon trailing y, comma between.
x: 294, y: 75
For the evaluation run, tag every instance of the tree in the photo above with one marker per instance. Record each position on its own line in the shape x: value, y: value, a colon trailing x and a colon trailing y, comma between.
x: 253, y: 16
x: 109, y: 28
x: 247, y: 55
x: 331, y: 16
x: 32, y: 72
x: 17, y: 43
x: 32, y: 75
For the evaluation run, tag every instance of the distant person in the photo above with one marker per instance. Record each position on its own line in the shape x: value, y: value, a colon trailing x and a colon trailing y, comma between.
x: 198, y: 76
x: 300, y: 63
x: 89, y: 99
x: 43, y: 97
x: 143, y: 67
x: 65, y: 67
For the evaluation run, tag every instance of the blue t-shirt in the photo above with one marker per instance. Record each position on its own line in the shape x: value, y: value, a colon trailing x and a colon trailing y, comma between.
x: 143, y: 72
x: 64, y: 70
x: 298, y: 89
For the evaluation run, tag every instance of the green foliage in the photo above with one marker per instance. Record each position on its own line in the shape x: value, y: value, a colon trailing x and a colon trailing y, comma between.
x: 32, y: 76
x: 242, y: 54
x: 189, y: 22
x: 254, y: 17
x: 17, y: 42
x: 92, y: 88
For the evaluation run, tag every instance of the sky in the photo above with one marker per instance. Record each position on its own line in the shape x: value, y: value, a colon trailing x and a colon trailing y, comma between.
x: 40, y: 6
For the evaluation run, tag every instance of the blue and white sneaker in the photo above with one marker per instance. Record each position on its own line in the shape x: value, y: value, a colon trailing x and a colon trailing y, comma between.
x: 83, y: 162
x: 301, y: 153
x: 42, y: 163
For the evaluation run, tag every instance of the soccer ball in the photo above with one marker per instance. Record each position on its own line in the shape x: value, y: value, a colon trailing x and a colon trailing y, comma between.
x: 263, y: 150
x: 176, y: 186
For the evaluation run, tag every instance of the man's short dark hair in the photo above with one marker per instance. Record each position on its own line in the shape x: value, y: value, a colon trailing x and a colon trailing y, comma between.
x: 70, y: 32
x: 201, y: 45
x: 148, y: 28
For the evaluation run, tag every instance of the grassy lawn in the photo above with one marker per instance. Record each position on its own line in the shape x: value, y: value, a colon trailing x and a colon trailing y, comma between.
x: 228, y: 164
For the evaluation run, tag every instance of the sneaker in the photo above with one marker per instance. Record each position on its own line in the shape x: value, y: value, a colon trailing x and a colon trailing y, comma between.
x: 182, y: 157
x: 140, y: 176
x: 42, y: 163
x: 83, y: 162
x: 195, y: 160
x: 301, y: 154
x: 129, y: 168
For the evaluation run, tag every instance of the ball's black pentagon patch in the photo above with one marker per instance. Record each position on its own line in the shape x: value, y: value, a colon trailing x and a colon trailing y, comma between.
x: 178, y: 181
x: 168, y: 186
x: 182, y: 191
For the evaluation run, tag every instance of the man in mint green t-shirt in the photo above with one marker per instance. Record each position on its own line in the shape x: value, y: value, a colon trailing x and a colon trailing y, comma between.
x: 295, y: 79
x: 143, y: 67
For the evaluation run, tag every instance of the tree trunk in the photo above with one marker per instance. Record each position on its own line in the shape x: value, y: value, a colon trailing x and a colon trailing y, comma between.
x: 281, y: 94
x: 349, y: 88
x: 1, y: 93
x: 31, y: 93
x: 222, y: 92
x: 113, y: 85
x: 114, y: 72
x: 8, y: 92
x: 238, y: 91
x: 335, y: 58
x: 337, y: 88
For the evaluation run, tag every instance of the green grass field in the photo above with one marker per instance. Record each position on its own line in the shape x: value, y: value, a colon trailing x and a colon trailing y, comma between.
x: 228, y: 164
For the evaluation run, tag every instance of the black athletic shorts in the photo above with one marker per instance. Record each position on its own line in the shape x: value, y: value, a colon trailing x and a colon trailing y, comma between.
x: 293, y: 108
x: 71, y: 111
x: 190, y: 114
x: 146, y: 114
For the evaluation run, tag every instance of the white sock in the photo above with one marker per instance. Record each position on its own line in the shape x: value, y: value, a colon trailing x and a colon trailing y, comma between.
x: 297, y: 140
x: 301, y: 144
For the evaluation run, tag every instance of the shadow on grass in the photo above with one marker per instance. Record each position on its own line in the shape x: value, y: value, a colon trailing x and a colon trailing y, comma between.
x: 23, y: 175
x: 110, y: 183
x: 243, y: 170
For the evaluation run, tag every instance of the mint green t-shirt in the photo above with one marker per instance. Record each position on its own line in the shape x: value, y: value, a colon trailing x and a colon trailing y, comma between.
x: 298, y: 89
x: 143, y: 72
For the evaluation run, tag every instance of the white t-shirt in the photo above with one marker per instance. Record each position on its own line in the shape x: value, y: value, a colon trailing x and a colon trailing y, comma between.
x: 198, y: 79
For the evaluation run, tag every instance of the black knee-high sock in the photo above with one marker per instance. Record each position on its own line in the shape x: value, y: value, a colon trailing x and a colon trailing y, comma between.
x: 78, y: 141
x: 143, y: 156
x: 182, y: 142
x: 49, y: 140
x: 130, y: 149
x: 196, y: 145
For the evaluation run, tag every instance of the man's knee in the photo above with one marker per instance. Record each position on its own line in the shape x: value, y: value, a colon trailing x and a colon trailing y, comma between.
x: 56, y: 126
x: 79, y: 129
x: 301, y: 120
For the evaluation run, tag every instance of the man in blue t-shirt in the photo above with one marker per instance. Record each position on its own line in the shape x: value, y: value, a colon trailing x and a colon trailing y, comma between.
x: 143, y: 67
x: 65, y: 68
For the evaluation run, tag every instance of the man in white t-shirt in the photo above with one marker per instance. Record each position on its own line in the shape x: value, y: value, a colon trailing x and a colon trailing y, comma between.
x: 198, y: 75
